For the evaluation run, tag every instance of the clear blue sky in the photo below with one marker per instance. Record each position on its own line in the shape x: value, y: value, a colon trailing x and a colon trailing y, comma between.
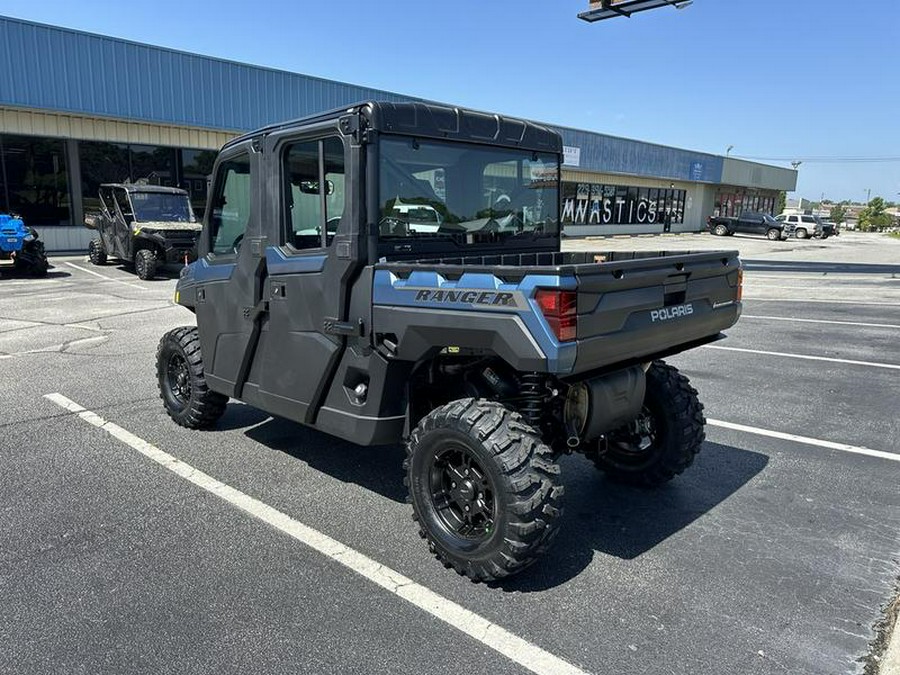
x: 792, y: 79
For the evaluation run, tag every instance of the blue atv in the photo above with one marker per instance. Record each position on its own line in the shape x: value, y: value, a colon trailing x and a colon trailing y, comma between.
x: 20, y: 249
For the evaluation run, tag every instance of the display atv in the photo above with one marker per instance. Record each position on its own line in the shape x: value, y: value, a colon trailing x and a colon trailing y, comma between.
x: 20, y: 247
x: 475, y: 340
x: 146, y: 225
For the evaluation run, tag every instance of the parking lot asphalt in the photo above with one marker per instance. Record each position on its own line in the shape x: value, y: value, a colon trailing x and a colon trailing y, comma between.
x: 772, y: 554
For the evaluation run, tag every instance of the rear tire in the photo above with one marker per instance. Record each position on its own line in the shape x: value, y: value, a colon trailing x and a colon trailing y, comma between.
x: 800, y: 233
x: 484, y: 488
x: 96, y: 253
x: 145, y: 264
x: 182, y: 383
x: 720, y: 230
x: 665, y: 438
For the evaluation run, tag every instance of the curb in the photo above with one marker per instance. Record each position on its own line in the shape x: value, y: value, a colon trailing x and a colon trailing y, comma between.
x: 890, y: 660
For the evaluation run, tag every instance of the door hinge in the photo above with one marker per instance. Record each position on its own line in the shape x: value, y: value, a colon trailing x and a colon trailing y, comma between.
x: 251, y: 314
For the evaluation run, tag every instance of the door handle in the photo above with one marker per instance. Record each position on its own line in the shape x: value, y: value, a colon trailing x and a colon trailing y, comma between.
x: 349, y: 328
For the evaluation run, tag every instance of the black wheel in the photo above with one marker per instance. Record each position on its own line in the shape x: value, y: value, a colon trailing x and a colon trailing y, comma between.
x: 96, y: 253
x: 773, y: 234
x: 800, y: 233
x: 145, y: 264
x: 484, y: 488
x: 663, y: 441
x: 182, y: 384
x: 721, y: 230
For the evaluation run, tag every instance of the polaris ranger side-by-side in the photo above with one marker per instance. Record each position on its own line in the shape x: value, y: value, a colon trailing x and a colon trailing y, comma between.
x: 145, y: 225
x: 474, y: 339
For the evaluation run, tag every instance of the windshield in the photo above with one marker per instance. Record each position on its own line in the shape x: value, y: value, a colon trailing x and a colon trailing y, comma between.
x: 162, y: 206
x: 465, y: 194
x: 769, y: 219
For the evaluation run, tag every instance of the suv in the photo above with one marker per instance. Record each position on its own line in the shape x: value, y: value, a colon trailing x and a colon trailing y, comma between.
x: 145, y: 225
x: 319, y: 297
x: 801, y: 226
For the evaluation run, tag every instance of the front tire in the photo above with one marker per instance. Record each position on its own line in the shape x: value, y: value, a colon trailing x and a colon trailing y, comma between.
x: 145, y: 264
x: 186, y: 397
x: 663, y: 441
x: 773, y: 234
x: 721, y: 230
x: 96, y: 253
x: 801, y: 233
x: 484, y: 488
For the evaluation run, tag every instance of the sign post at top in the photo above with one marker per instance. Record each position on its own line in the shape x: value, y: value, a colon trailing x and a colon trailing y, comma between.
x: 607, y: 9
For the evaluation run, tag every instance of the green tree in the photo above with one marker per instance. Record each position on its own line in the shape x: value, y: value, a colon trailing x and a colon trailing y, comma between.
x: 838, y: 214
x: 781, y: 202
x: 873, y: 217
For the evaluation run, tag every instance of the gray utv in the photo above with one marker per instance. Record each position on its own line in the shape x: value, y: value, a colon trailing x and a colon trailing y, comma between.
x: 146, y: 225
x: 392, y: 273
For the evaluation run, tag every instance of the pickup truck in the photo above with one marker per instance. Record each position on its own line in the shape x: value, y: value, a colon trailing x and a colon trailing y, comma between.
x: 477, y: 342
x: 747, y: 223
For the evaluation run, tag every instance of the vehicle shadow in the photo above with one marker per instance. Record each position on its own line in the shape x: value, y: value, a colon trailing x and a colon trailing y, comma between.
x: 626, y: 522
x: 376, y: 468
x: 51, y: 274
x: 600, y: 516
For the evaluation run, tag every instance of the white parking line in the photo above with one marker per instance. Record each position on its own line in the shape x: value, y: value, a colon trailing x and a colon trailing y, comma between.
x: 489, y: 634
x: 103, y: 276
x: 855, y: 449
x: 805, y: 357
x: 821, y: 301
x: 838, y: 323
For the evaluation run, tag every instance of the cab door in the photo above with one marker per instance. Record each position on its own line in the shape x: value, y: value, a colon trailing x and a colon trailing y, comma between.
x: 231, y: 272
x: 107, y: 226
x: 121, y: 231
x: 310, y: 267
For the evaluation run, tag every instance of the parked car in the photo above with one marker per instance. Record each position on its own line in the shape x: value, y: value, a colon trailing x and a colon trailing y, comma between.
x: 20, y: 249
x: 829, y: 229
x: 749, y: 222
x: 801, y: 226
x: 145, y: 225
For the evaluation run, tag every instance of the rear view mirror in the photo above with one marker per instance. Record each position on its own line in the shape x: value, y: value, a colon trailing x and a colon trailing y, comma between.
x: 311, y: 187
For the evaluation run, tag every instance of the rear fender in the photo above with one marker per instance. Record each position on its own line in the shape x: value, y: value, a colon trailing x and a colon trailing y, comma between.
x: 425, y: 311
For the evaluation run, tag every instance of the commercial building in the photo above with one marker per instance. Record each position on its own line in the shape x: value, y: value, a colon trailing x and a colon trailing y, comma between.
x: 78, y: 110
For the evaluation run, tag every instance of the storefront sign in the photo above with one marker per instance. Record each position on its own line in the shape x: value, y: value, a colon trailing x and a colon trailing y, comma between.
x: 571, y: 155
x: 595, y: 204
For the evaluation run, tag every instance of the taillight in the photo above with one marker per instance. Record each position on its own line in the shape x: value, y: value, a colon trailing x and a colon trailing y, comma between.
x: 740, y: 284
x: 560, y: 309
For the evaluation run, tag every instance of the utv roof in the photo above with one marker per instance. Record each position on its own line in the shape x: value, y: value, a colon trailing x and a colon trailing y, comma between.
x: 429, y: 120
x: 133, y: 187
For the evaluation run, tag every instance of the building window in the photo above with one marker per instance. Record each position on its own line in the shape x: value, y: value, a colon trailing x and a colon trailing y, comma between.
x: 196, y: 169
x: 593, y: 204
x: 156, y: 165
x: 34, y: 182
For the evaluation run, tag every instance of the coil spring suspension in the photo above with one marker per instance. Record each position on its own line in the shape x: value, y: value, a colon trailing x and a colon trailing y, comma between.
x: 532, y: 398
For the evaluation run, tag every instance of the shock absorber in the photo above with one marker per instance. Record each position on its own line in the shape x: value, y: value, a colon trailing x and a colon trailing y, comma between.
x: 532, y: 398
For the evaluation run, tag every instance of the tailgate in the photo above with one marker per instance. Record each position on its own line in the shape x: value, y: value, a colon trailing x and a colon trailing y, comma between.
x: 652, y: 304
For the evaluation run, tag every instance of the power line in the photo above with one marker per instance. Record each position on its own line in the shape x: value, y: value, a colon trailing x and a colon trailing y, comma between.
x: 824, y: 159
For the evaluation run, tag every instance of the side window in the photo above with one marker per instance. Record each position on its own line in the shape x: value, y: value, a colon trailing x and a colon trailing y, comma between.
x: 124, y: 205
x: 808, y: 219
x: 106, y: 201
x: 230, y: 213
x: 315, y: 203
